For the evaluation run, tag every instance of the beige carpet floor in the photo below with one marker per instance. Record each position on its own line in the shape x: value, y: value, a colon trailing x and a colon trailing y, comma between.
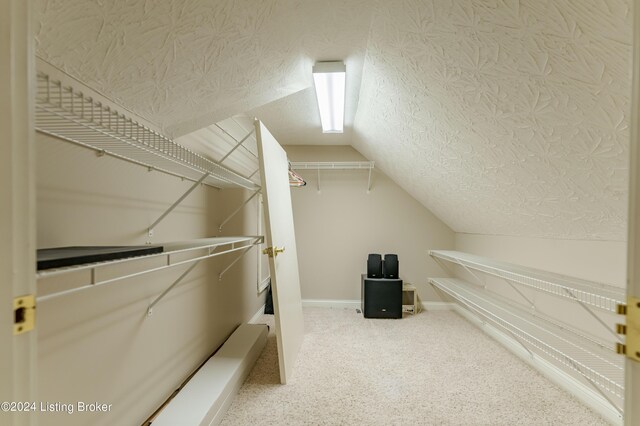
x: 434, y: 368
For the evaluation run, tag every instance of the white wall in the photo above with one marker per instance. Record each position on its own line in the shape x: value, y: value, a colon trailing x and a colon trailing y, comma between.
x: 99, y: 345
x: 602, y: 261
x: 337, y: 227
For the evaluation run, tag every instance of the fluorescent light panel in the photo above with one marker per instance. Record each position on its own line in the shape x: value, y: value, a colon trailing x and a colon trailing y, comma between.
x: 329, y: 79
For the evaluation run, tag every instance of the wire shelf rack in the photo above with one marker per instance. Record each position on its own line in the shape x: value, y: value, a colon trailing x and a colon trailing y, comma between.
x: 601, y: 368
x: 174, y: 254
x: 332, y: 165
x: 601, y: 296
x: 75, y: 117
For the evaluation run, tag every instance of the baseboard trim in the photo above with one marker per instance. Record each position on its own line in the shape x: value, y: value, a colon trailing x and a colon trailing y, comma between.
x: 437, y: 306
x: 579, y: 390
x: 254, y: 319
x: 330, y: 303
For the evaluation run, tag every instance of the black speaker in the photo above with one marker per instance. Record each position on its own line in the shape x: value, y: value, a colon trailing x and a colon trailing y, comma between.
x: 374, y: 266
x: 390, y: 266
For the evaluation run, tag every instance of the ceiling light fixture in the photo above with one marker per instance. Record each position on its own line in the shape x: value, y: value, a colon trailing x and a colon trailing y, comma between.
x: 329, y: 79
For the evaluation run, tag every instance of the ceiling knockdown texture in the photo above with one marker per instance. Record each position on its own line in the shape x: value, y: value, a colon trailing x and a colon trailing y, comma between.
x: 503, y: 117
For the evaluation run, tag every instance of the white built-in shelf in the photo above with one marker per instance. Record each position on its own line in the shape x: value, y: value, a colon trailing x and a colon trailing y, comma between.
x: 68, y: 114
x: 557, y: 343
x: 588, y: 293
x: 174, y: 254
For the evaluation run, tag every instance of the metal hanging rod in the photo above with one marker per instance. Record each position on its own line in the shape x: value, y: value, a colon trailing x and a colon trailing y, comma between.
x: 332, y: 165
x: 70, y: 115
x: 560, y: 344
x: 193, y: 248
x: 589, y: 293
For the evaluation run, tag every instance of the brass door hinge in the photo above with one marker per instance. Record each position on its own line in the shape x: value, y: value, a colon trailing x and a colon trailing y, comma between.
x: 272, y: 251
x: 631, y: 329
x: 24, y: 314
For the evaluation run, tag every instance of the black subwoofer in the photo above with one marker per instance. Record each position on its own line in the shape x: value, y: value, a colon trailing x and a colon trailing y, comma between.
x: 381, y: 297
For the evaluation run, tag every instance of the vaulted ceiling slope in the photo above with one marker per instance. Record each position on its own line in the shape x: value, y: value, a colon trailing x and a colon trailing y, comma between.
x: 501, y: 116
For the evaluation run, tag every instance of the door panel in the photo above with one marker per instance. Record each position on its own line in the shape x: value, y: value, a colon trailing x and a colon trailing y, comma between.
x: 285, y: 279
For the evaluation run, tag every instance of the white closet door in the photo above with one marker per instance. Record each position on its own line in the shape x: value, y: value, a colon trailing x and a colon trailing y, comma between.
x: 285, y: 280
x: 18, y: 352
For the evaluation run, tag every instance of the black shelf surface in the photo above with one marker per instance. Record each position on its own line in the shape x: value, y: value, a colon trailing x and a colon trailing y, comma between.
x: 60, y: 257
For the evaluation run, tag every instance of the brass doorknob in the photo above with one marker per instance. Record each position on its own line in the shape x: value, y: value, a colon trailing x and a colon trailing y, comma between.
x: 272, y: 251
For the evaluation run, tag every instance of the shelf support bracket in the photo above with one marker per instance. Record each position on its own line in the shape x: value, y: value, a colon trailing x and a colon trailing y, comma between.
x: 237, y: 146
x: 168, y: 289
x: 369, y: 183
x: 174, y: 205
x: 590, y: 312
x: 237, y: 210
x: 318, y: 180
x: 533, y: 306
x: 474, y: 275
x: 236, y: 260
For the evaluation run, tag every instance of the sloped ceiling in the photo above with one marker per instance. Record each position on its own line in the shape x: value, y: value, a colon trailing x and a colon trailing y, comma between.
x: 502, y: 117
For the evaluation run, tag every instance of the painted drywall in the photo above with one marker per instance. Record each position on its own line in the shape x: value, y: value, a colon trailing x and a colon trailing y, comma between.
x: 601, y: 261
x: 99, y: 345
x: 338, y: 226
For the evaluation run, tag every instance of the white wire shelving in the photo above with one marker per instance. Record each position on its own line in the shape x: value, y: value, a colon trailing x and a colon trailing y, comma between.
x: 175, y: 254
x: 335, y: 165
x: 68, y: 114
x: 559, y: 344
x: 587, y: 293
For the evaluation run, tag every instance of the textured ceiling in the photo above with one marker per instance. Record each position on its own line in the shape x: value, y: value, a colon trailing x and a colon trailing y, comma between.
x: 502, y: 117
x: 186, y: 64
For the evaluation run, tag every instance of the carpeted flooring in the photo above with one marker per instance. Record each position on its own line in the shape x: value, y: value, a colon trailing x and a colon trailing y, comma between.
x: 434, y: 368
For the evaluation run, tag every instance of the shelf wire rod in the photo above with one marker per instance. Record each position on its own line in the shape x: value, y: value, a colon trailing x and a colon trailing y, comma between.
x: 251, y: 175
x: 590, y: 312
x: 482, y: 283
x: 236, y: 140
x: 592, y: 356
x: 443, y: 266
x: 237, y: 210
x: 531, y: 304
x: 517, y: 339
x: 551, y: 351
x: 238, y: 144
x: 236, y: 260
x: 168, y: 289
x: 178, y: 201
x: 596, y: 387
